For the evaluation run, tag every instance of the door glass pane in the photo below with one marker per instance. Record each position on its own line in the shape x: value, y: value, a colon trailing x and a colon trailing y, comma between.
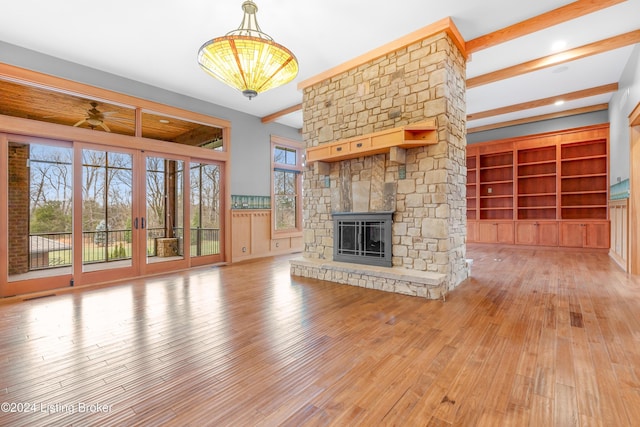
x: 40, y: 210
x: 165, y: 209
x: 205, y: 209
x: 106, y: 209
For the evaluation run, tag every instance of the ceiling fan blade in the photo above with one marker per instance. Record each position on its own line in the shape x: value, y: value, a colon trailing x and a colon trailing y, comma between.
x: 105, y: 127
x: 80, y: 122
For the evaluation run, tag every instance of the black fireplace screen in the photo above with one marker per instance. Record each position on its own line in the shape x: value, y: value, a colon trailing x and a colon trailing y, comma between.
x: 363, y: 237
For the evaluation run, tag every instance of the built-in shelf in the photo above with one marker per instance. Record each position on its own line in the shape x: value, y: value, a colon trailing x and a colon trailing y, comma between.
x: 472, y: 187
x: 537, y: 174
x: 410, y: 136
x: 540, y: 175
x: 536, y: 183
x: 496, y: 185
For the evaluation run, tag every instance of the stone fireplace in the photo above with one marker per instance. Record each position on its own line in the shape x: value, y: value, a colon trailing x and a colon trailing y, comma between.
x: 422, y: 185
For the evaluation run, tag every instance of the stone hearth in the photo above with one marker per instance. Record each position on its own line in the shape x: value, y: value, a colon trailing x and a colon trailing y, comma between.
x: 424, y: 284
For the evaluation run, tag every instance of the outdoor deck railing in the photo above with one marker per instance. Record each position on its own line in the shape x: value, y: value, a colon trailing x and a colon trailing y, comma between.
x: 51, y: 250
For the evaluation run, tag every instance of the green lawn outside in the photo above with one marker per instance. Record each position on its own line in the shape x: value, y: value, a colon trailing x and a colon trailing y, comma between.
x: 97, y: 253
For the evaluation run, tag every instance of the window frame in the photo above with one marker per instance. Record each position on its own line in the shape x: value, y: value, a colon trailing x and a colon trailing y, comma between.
x: 298, y: 168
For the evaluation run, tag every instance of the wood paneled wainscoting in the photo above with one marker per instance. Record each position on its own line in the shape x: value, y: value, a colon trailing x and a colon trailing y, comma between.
x: 634, y: 196
x: 538, y: 337
x: 251, y: 236
x: 619, y: 214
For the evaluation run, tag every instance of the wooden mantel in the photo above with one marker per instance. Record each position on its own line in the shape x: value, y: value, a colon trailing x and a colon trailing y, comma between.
x: 409, y: 136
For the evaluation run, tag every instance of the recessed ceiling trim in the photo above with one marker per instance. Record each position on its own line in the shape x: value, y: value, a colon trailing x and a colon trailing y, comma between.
x: 533, y: 119
x: 540, y: 22
x: 612, y: 87
x: 275, y: 116
x: 590, y: 49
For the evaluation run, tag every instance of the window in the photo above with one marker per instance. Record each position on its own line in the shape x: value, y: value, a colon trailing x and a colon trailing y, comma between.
x: 285, y: 194
x: 286, y: 186
x: 285, y: 156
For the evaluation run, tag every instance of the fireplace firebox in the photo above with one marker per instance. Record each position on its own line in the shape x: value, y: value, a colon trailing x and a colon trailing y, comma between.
x: 362, y: 237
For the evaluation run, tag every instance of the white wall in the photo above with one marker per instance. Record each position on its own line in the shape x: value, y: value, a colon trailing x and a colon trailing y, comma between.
x: 250, y: 138
x: 622, y: 104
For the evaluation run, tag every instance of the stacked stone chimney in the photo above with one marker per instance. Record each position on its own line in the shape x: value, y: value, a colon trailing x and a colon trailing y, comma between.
x: 425, y: 80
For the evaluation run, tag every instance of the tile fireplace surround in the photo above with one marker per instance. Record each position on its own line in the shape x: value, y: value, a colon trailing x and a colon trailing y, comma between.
x: 424, y: 187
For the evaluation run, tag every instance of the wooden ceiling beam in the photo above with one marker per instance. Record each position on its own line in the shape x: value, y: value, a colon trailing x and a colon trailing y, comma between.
x: 559, y: 114
x: 590, y: 49
x: 571, y: 96
x: 634, y: 117
x: 275, y: 116
x: 554, y: 17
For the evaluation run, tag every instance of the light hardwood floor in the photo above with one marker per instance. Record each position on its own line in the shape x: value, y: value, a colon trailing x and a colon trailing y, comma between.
x: 535, y: 337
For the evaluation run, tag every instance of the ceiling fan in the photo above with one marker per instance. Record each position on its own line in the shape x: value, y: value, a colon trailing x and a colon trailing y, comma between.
x: 95, y: 118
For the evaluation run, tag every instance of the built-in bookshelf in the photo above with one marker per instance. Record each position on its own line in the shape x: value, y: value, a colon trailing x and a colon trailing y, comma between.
x: 496, y: 185
x: 550, y: 189
x: 584, y: 183
x: 537, y: 183
x: 472, y: 188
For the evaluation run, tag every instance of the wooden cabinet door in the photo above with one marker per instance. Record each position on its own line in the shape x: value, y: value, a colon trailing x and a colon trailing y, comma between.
x: 584, y: 234
x: 240, y: 234
x: 495, y: 232
x: 597, y: 234
x: 526, y: 233
x: 539, y: 233
x: 487, y: 232
x: 572, y: 234
x: 261, y: 233
x: 505, y: 232
x: 472, y: 231
x: 280, y: 245
x: 547, y: 233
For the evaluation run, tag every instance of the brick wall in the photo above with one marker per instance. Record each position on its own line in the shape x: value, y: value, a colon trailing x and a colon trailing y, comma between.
x: 18, y: 197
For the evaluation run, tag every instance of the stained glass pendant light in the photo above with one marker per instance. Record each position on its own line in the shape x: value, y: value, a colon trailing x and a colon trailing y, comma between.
x: 248, y: 59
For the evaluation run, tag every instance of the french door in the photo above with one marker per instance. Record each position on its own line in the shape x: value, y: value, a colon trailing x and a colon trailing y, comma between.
x: 107, y: 203
x: 132, y: 213
x: 206, y: 196
x: 36, y: 214
x: 162, y: 214
x: 80, y: 213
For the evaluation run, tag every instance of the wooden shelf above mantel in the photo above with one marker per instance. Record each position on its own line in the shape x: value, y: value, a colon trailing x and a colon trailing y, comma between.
x: 409, y: 136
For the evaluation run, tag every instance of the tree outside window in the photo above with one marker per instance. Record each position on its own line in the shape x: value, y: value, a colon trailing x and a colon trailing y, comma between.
x: 286, y: 185
x: 285, y: 192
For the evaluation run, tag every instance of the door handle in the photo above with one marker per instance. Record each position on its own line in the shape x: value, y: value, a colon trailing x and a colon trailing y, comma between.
x: 135, y: 223
x: 142, y: 223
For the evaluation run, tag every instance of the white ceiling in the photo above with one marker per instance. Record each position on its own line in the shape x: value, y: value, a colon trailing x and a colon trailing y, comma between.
x: 156, y: 41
